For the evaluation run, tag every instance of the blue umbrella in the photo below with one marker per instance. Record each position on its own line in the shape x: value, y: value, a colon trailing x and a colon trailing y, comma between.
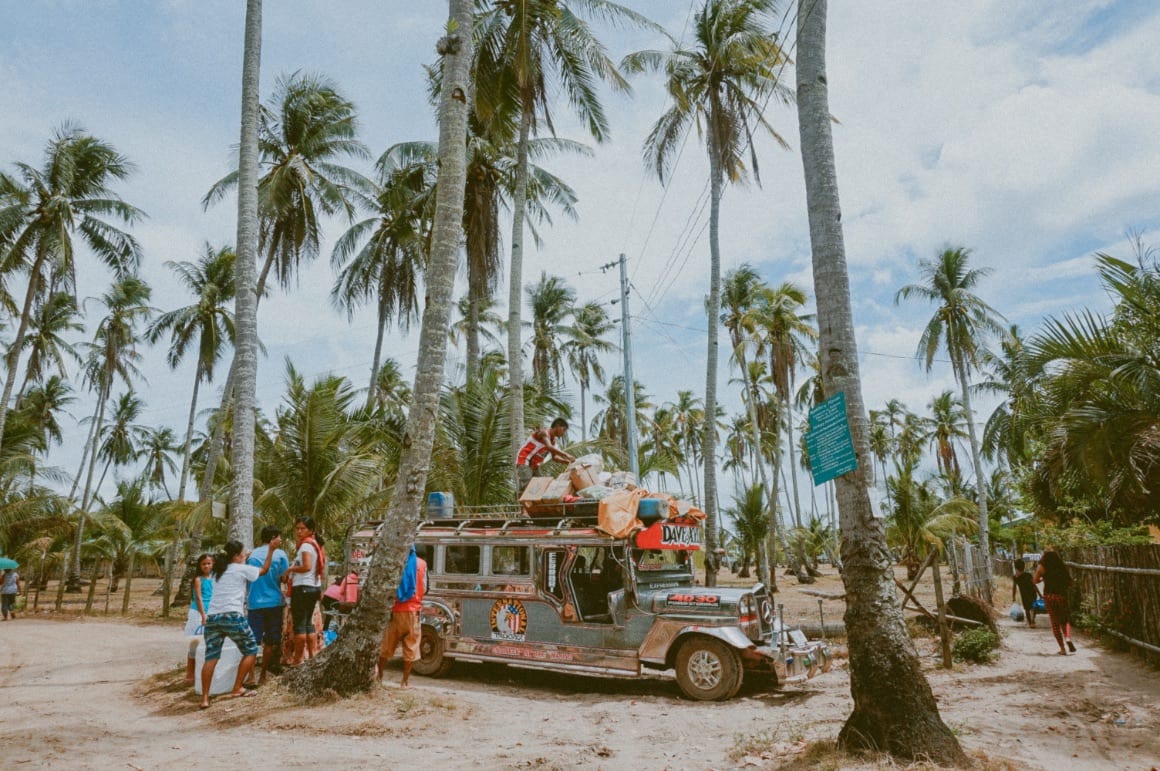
x: 7, y: 564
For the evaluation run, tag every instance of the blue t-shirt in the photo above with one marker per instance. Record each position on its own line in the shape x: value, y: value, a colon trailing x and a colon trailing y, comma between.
x: 266, y: 592
x: 206, y: 593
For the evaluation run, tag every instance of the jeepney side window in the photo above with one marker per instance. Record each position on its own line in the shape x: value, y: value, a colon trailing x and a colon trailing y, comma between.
x: 510, y: 561
x: 551, y: 566
x: 426, y: 552
x: 461, y: 560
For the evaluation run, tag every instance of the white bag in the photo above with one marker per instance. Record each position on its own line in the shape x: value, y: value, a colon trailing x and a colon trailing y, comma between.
x: 1016, y: 612
x: 226, y: 671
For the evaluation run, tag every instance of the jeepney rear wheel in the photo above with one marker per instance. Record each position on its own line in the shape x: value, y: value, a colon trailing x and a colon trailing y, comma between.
x: 708, y: 669
x: 431, y: 662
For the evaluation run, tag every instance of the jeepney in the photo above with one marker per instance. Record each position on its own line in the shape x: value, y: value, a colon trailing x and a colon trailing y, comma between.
x: 566, y: 597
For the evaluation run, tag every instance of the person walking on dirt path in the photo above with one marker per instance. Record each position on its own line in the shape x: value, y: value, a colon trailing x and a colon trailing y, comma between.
x: 200, y: 596
x: 1056, y: 582
x: 306, y: 577
x: 266, y: 602
x: 225, y: 619
x: 540, y: 446
x: 1027, y: 589
x: 10, y: 589
x: 404, y: 625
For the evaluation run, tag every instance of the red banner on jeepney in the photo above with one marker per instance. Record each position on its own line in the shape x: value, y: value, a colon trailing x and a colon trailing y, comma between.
x: 679, y: 535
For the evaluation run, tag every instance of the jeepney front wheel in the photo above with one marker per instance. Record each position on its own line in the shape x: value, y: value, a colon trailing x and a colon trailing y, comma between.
x: 708, y: 669
x: 431, y: 662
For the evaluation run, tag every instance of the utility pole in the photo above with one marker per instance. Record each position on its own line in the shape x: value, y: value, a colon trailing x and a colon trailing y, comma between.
x: 626, y: 347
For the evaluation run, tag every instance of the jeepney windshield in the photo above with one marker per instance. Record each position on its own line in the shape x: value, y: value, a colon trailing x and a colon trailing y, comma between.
x: 662, y: 566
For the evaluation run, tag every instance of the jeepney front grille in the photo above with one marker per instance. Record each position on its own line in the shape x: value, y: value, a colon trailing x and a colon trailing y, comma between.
x: 765, y: 615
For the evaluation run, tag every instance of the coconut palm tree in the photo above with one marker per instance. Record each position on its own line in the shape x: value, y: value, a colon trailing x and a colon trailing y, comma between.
x: 960, y: 325
x: 472, y: 447
x: 158, y: 447
x: 1093, y: 409
x: 552, y: 302
x: 521, y: 48
x: 1006, y: 437
x: 719, y: 84
x: 44, y: 210
x: 132, y: 527
x: 380, y: 259
x: 787, y: 335
x: 894, y: 708
x: 689, y: 417
x: 918, y: 518
x: 299, y: 141
x: 742, y: 300
x: 40, y: 406
x: 304, y: 133
x: 946, y: 426
x: 244, y: 369
x: 46, y: 344
x: 751, y: 524
x: 206, y: 327
x: 112, y: 355
x: 347, y: 666
x: 317, y: 463
x: 610, y: 423
x: 587, y: 341
x: 491, y: 171
x: 122, y: 439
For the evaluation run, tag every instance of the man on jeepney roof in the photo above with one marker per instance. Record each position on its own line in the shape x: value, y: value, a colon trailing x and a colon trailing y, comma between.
x: 540, y: 446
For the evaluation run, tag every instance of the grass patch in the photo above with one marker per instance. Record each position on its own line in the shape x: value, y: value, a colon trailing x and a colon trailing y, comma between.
x: 976, y: 645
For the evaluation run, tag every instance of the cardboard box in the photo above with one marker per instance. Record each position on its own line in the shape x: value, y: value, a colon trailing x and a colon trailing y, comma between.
x: 584, y: 476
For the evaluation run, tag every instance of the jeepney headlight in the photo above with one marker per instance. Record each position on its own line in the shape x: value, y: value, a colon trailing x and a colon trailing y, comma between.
x: 750, y: 621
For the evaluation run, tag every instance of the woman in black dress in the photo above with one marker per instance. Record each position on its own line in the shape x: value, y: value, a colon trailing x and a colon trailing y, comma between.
x: 1056, y: 582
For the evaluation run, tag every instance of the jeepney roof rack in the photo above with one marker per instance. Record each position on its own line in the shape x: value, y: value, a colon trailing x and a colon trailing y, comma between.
x: 509, y: 518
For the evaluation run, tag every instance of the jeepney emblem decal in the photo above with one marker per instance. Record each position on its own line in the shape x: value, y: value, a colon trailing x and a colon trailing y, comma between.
x: 767, y: 612
x: 509, y: 620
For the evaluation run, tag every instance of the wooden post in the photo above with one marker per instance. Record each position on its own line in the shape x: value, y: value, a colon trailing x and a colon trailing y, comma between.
x: 128, y: 583
x: 60, y: 587
x: 943, y: 630
x: 93, y: 586
x: 108, y: 585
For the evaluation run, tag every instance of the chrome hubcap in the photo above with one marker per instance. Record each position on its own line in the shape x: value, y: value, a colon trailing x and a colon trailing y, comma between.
x: 705, y: 670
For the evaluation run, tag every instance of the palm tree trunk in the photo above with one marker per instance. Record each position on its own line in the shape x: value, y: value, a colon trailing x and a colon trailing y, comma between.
x: 763, y: 567
x: 797, y: 505
x: 74, y: 579
x: 93, y: 585
x: 980, y: 482
x: 128, y: 583
x: 373, y: 389
x: 709, y: 434
x: 172, y: 553
x: 12, y: 360
x: 516, y: 288
x: 187, y: 451
x: 347, y: 666
x: 72, y: 493
x: 474, y: 299
x: 241, y: 522
x: 894, y: 709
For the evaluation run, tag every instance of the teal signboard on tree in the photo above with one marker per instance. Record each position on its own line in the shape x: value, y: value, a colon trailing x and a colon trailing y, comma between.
x: 829, y: 443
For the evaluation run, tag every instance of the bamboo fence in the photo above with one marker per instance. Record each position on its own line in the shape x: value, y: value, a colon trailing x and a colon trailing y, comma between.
x: 1118, y: 587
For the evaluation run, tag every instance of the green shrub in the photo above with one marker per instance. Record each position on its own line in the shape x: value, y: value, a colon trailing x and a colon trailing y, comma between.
x: 977, y: 645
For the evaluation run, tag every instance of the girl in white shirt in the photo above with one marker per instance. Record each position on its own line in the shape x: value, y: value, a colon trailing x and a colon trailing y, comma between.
x: 225, y: 616
x: 306, y: 577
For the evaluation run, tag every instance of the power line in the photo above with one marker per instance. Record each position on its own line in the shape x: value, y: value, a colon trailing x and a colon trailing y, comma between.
x: 778, y: 35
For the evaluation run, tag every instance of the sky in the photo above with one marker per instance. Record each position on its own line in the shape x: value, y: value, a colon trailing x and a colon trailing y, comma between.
x: 1025, y: 132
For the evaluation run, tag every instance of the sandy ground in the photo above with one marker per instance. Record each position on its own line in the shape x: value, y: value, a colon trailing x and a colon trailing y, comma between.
x: 87, y: 693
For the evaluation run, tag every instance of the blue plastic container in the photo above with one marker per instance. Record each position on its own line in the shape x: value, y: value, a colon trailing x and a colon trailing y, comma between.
x: 440, y: 506
x: 651, y: 509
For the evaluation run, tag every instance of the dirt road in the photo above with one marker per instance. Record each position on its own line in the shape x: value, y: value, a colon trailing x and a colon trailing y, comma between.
x: 94, y: 694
